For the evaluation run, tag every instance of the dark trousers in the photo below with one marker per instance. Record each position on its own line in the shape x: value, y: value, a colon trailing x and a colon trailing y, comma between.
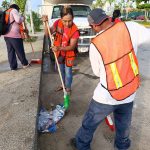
x: 94, y: 116
x: 15, y: 46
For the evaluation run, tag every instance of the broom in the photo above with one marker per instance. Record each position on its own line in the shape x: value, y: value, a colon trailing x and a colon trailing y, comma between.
x: 66, y: 96
x: 34, y: 60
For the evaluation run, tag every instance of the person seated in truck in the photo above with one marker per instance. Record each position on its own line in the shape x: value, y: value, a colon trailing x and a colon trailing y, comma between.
x: 66, y: 35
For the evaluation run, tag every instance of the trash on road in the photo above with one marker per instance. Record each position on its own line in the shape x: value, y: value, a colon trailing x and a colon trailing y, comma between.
x: 47, y: 120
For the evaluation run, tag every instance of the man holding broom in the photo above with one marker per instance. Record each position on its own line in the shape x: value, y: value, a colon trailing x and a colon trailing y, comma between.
x: 113, y: 59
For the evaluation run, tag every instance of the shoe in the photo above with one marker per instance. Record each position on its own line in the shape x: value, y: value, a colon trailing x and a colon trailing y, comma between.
x: 13, y: 70
x: 73, y: 143
x: 26, y: 66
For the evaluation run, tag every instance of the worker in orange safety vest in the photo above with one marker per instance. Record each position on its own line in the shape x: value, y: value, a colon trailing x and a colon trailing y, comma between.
x: 13, y: 38
x: 113, y: 59
x: 66, y: 36
x: 23, y: 30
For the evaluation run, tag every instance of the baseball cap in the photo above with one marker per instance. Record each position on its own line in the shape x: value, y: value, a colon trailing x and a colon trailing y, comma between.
x: 97, y: 16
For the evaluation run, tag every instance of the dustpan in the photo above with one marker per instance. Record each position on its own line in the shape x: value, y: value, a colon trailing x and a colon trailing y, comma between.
x: 35, y: 60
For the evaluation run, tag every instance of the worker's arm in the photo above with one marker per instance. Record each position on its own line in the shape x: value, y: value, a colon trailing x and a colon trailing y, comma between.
x: 139, y: 34
x: 17, y: 17
x: 72, y: 46
x: 95, y: 60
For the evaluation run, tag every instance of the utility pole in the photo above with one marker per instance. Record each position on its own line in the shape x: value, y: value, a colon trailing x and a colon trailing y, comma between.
x: 31, y: 19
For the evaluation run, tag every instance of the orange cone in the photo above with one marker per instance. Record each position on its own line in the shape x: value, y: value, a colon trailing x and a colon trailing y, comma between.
x: 109, y: 122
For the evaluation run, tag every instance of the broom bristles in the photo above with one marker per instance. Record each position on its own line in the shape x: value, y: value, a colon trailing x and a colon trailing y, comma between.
x: 37, y: 61
x: 66, y: 101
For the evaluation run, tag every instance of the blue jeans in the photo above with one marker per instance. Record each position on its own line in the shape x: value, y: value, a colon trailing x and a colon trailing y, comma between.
x: 66, y: 75
x: 96, y: 114
x: 15, y: 47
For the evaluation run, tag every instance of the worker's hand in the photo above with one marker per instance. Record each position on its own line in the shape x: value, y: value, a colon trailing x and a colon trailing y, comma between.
x: 55, y: 48
x: 26, y: 31
x: 44, y: 18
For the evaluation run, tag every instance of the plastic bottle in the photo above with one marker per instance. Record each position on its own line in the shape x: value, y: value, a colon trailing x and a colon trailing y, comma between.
x: 58, y: 113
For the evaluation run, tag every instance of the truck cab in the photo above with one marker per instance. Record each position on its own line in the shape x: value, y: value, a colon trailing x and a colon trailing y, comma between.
x: 80, y: 19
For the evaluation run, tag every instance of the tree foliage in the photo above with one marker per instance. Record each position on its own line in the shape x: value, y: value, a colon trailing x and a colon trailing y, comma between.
x: 144, y: 6
x: 5, y: 4
x: 37, y: 22
x: 99, y: 3
x: 139, y: 1
x: 21, y: 4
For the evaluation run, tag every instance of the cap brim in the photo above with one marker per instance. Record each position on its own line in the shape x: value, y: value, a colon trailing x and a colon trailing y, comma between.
x: 100, y: 21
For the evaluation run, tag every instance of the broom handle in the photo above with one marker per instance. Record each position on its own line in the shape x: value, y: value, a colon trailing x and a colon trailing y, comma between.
x: 24, y: 27
x: 50, y: 36
x: 32, y: 49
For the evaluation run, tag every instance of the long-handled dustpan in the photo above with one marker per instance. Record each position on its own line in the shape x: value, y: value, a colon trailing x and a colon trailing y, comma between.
x: 66, y: 96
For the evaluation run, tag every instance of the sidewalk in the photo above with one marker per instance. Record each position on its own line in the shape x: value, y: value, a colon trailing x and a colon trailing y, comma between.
x: 18, y: 100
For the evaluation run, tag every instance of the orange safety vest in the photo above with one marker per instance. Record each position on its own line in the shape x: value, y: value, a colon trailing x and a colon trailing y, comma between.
x: 121, y: 64
x: 22, y: 31
x: 59, y: 38
x: 7, y: 15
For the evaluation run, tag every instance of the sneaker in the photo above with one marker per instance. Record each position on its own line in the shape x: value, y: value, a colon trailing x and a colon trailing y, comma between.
x: 73, y: 143
x: 26, y: 66
x: 13, y: 70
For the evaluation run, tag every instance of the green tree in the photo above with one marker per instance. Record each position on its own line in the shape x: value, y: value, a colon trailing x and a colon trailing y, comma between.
x: 139, y: 1
x: 21, y: 4
x: 99, y: 3
x: 110, y: 1
x: 5, y: 4
x: 145, y: 6
x: 37, y: 22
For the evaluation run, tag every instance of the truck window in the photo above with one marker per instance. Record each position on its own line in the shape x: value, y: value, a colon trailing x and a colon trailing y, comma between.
x: 78, y: 11
x: 56, y: 12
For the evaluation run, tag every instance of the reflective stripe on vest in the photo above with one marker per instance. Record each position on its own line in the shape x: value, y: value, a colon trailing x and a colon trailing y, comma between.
x: 120, y: 61
x: 116, y: 76
x: 133, y: 64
